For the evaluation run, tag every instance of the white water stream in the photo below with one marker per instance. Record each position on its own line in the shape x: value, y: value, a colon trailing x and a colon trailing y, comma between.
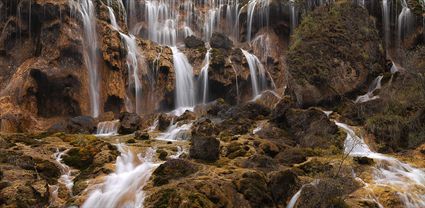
x: 124, y: 187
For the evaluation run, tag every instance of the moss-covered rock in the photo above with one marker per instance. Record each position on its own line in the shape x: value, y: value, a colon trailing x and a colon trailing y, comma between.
x: 172, y: 169
x: 336, y: 50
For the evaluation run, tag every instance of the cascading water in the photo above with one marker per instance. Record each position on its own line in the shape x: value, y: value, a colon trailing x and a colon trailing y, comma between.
x: 112, y: 18
x: 124, y: 187
x: 386, y: 22
x: 176, y: 132
x: 134, y: 62
x: 376, y: 84
x: 406, y: 21
x: 108, y: 128
x: 407, y: 181
x: 88, y: 13
x: 204, y: 77
x: 257, y: 71
x: 262, y: 6
x: 66, y: 178
x: 185, y: 96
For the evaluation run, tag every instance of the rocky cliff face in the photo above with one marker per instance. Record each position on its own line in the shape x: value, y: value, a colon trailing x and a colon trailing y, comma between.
x: 282, y: 147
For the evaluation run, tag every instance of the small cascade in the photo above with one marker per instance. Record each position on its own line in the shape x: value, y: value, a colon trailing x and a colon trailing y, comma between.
x: 293, y: 15
x: 124, y: 187
x: 204, y: 77
x: 258, y: 77
x: 112, y: 18
x: 66, y: 178
x: 407, y: 181
x: 376, y: 84
x: 88, y: 13
x: 176, y: 132
x: 262, y: 7
x: 185, y: 96
x: 386, y: 22
x: 134, y: 61
x: 294, y: 199
x: 162, y: 21
x: 108, y: 128
x: 406, y: 22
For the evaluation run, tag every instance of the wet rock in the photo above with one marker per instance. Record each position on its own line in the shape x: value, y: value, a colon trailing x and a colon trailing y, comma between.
x: 162, y: 154
x: 205, y: 127
x: 327, y: 192
x: 292, y: 156
x: 77, y: 125
x: 279, y: 111
x: 283, y: 185
x: 356, y: 41
x: 187, y: 116
x: 249, y: 110
x: 312, y: 128
x: 364, y: 160
x: 171, y: 170
x: 217, y: 107
x: 80, y: 158
x: 164, y: 121
x: 193, y: 42
x: 253, y: 186
x: 205, y: 148
x: 178, y: 197
x: 141, y: 135
x: 219, y: 40
x: 314, y: 167
x: 130, y: 122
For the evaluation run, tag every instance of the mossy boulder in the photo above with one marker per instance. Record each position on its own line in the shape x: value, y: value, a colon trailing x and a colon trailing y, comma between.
x: 173, y: 169
x: 253, y: 186
x: 335, y: 51
x: 283, y: 185
x: 178, y: 198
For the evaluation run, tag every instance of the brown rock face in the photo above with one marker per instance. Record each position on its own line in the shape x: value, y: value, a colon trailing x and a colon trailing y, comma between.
x: 337, y: 56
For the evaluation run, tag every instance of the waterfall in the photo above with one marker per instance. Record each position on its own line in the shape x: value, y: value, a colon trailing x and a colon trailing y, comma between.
x: 162, y: 22
x: 185, y: 96
x: 263, y: 16
x: 406, y: 21
x: 258, y: 81
x: 66, y: 178
x: 108, y: 128
x: 409, y: 182
x: 386, y: 22
x: 88, y: 13
x: 293, y: 15
x: 175, y: 133
x: 204, y: 77
x: 124, y: 187
x: 112, y: 18
x: 376, y: 84
x: 134, y: 60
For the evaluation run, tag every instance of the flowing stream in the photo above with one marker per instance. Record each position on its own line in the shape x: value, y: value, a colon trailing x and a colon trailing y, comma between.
x: 108, y: 128
x: 124, y: 187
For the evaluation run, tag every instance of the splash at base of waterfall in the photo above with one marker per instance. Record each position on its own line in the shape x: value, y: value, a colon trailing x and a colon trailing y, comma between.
x: 176, y: 133
x: 124, y: 187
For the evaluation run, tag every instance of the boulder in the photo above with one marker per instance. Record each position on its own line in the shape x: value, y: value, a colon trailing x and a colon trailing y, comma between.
x: 335, y: 51
x: 77, y: 125
x: 193, y: 42
x: 253, y: 186
x: 130, y: 122
x: 164, y: 121
x: 283, y: 185
x: 141, y: 135
x: 172, y: 169
x: 205, y: 148
x: 219, y: 40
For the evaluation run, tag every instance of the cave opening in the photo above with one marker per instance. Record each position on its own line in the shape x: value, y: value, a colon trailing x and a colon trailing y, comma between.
x: 55, y: 95
x: 113, y: 104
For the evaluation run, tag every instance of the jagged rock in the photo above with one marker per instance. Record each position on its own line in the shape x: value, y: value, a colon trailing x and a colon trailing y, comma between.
x: 164, y: 121
x: 283, y: 185
x: 80, y: 124
x: 249, y: 110
x: 356, y: 41
x: 205, y: 148
x: 363, y: 160
x: 130, y: 122
x: 326, y: 193
x: 311, y: 127
x: 141, y: 135
x: 236, y: 149
x: 253, y: 186
x: 193, y: 42
x: 205, y: 127
x: 171, y: 170
x: 219, y: 40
